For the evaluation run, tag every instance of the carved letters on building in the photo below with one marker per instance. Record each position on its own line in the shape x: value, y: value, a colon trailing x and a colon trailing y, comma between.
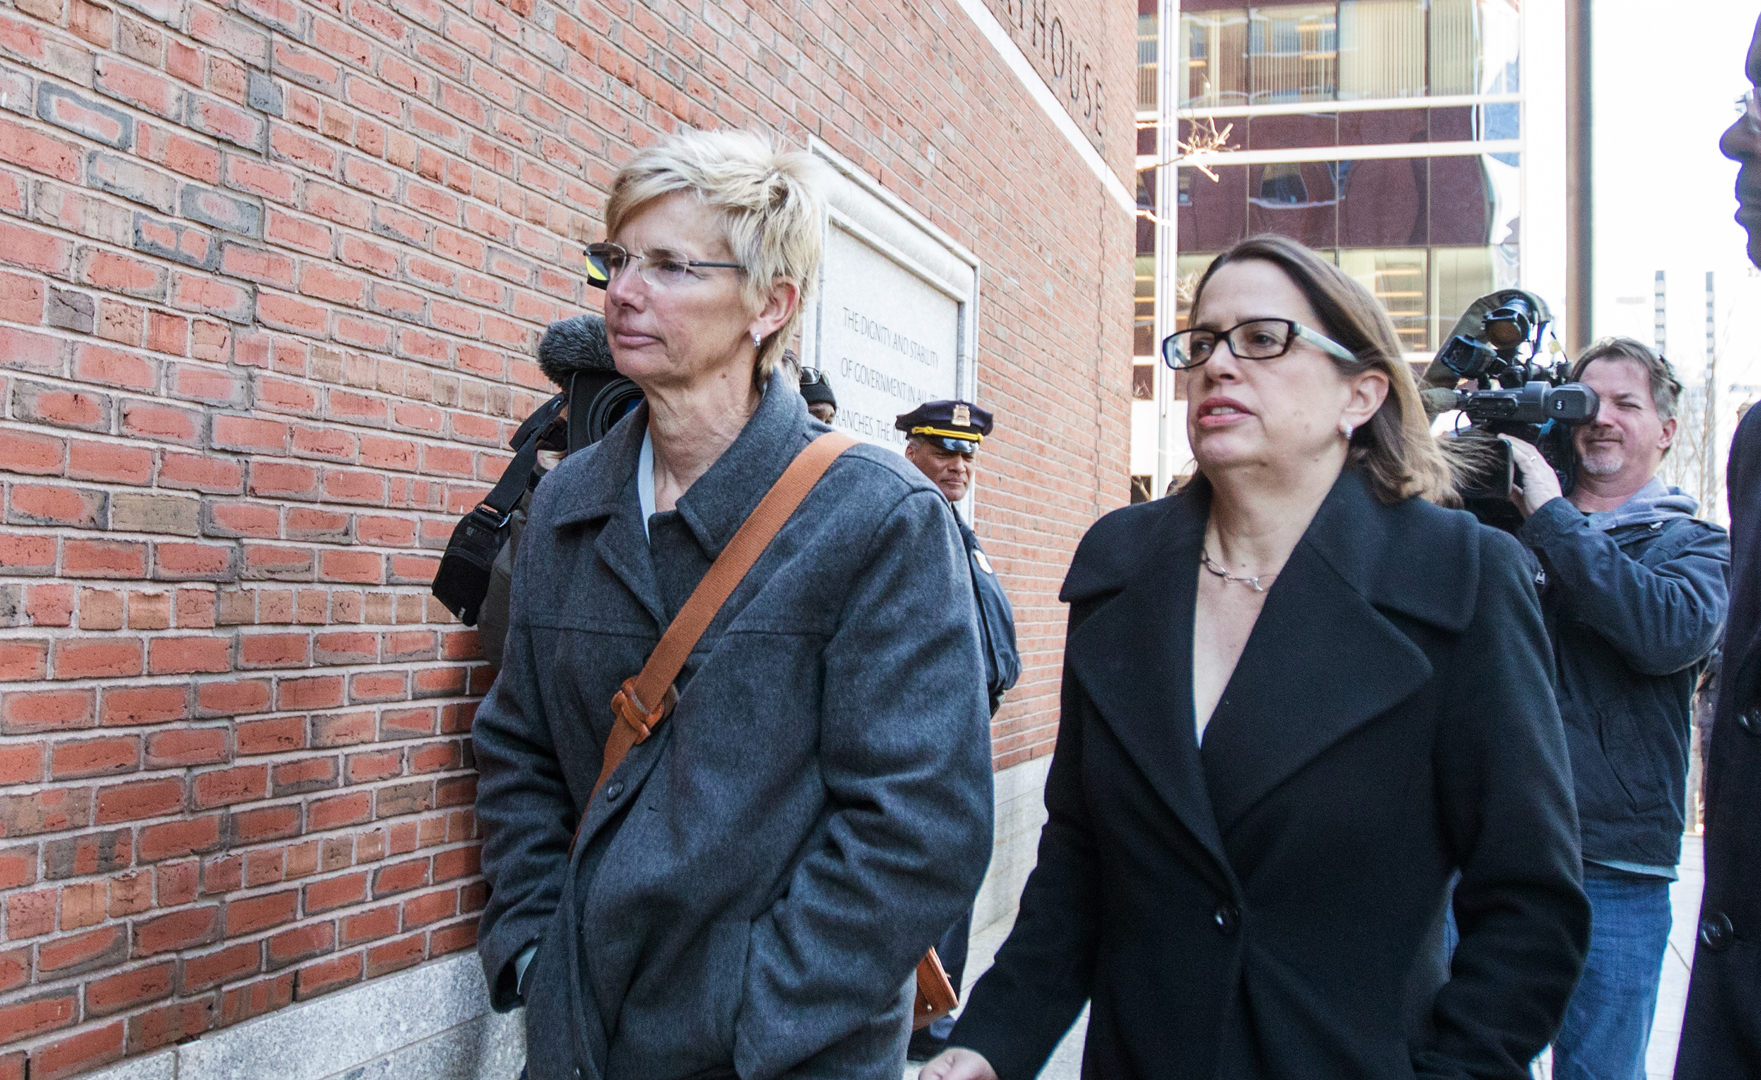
x: 1039, y: 28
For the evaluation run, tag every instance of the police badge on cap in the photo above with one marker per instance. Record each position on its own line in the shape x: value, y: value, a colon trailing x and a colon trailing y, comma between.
x: 954, y: 425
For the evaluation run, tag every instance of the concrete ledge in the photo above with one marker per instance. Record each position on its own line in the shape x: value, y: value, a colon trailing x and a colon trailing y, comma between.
x: 432, y: 1022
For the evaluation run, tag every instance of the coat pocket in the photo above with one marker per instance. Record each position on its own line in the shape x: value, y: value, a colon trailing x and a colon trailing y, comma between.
x: 1633, y: 757
x: 681, y: 1004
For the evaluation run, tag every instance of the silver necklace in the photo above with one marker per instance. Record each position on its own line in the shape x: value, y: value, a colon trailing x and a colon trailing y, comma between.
x: 1233, y: 579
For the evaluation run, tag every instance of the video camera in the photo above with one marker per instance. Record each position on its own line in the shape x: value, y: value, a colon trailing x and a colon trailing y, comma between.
x: 1511, y: 394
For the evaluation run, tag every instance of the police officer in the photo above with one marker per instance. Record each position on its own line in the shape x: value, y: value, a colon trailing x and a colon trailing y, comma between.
x: 942, y: 439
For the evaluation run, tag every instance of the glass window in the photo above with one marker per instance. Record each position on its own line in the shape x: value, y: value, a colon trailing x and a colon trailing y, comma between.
x: 1381, y: 49
x: 1143, y: 382
x: 1400, y: 279
x: 1459, y: 276
x: 1454, y: 47
x: 1213, y: 54
x: 1282, y: 185
x: 1144, y: 327
x: 1293, y: 53
x: 1146, y: 62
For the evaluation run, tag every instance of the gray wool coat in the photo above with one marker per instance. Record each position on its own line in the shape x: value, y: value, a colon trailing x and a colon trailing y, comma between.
x: 755, y: 884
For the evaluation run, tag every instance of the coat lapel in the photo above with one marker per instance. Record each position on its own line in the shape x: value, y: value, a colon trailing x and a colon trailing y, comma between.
x: 1321, y: 661
x: 609, y: 495
x: 1133, y: 656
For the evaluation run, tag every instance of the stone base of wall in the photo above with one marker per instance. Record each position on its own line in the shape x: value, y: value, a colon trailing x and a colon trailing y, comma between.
x: 434, y: 1023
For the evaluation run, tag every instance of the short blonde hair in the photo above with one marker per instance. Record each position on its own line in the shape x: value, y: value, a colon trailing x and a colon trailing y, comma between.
x: 768, y: 199
x: 1395, y: 450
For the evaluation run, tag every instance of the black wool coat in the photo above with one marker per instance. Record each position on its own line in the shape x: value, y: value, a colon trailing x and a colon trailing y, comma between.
x: 1270, y: 906
x: 1721, y: 1032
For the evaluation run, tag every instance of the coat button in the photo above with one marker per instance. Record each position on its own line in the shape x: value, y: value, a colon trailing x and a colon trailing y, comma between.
x: 1750, y: 721
x: 614, y: 791
x: 1716, y: 932
x: 1228, y: 918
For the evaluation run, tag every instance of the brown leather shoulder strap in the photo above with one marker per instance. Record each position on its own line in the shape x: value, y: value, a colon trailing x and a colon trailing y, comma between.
x: 635, y: 719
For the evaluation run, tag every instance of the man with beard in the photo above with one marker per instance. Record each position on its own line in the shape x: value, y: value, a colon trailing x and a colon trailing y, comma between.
x: 1633, y: 588
x: 1721, y: 1033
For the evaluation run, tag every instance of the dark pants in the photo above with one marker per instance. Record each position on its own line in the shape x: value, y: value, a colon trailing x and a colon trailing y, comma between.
x: 952, y: 950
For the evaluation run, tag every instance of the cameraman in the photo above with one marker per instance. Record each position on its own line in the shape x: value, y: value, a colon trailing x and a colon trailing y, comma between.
x: 1633, y: 588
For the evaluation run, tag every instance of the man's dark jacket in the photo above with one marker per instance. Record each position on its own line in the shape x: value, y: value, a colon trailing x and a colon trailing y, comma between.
x: 1270, y: 905
x: 756, y: 882
x: 1721, y: 1033
x: 1633, y: 611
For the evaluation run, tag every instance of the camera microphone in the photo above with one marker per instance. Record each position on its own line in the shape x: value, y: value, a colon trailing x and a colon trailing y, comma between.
x: 574, y: 345
x: 575, y: 355
x: 1439, y: 401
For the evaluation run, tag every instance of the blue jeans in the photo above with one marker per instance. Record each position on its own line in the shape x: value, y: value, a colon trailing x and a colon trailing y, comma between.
x: 1608, y: 1020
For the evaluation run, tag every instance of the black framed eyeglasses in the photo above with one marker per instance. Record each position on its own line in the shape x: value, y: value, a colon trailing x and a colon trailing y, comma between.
x: 1256, y: 339
x: 660, y: 268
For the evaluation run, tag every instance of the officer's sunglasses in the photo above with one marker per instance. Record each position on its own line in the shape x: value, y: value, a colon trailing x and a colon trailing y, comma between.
x: 811, y: 376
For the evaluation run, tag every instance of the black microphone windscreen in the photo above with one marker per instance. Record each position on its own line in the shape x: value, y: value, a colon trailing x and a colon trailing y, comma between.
x: 572, y: 345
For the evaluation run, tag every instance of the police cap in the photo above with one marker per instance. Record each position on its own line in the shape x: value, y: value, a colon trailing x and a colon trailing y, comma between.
x: 955, y: 425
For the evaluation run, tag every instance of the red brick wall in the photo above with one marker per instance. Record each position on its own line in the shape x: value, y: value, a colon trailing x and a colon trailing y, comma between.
x: 271, y: 275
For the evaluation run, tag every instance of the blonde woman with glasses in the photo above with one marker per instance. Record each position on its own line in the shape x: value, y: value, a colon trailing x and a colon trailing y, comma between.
x: 748, y: 891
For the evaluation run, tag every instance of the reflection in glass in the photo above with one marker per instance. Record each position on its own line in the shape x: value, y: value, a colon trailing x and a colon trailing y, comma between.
x: 1146, y: 61
x: 1400, y: 279
x: 1144, y: 324
x: 1362, y: 50
x: 1381, y: 49
x: 1293, y: 53
x: 1282, y: 185
x: 1213, y: 53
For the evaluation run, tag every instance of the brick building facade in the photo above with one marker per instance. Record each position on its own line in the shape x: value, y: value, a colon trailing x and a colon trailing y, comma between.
x: 271, y: 277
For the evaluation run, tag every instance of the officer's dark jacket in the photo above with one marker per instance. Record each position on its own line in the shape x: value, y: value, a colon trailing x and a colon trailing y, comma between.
x: 1632, y: 613
x: 996, y: 621
x: 1269, y: 905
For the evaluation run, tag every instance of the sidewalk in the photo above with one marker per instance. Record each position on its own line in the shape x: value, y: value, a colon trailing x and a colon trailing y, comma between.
x: 1684, y: 897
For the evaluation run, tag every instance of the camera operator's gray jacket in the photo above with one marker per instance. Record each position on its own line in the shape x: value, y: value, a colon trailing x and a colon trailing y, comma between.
x: 1634, y: 599
x: 756, y: 882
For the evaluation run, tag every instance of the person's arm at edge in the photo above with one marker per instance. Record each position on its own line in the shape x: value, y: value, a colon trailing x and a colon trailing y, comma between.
x: 1021, y: 1008
x: 1660, y: 619
x: 1505, y: 795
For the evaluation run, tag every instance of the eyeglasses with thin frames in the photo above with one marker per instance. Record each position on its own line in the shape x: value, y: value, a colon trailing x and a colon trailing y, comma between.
x: 1256, y: 339
x: 1750, y: 106
x: 659, y: 268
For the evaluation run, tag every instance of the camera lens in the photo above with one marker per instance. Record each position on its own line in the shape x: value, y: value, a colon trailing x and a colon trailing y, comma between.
x: 610, y: 405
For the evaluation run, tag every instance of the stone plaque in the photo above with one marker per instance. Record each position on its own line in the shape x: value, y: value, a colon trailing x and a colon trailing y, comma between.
x: 894, y: 316
x: 888, y: 340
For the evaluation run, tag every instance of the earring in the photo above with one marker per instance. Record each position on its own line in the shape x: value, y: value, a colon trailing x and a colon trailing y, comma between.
x: 1346, y: 429
x: 756, y: 340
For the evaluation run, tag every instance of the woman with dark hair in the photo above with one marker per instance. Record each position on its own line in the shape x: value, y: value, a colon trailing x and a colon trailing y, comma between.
x: 1300, y: 697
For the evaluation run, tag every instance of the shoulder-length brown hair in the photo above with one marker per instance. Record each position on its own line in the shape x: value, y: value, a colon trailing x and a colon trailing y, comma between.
x: 1395, y: 451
